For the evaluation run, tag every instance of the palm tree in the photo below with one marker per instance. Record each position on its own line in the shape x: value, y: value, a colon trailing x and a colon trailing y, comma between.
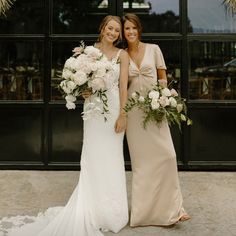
x: 230, y: 6
x: 4, y: 6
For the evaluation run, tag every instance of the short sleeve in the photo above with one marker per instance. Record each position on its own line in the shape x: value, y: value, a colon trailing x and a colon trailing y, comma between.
x: 159, y: 59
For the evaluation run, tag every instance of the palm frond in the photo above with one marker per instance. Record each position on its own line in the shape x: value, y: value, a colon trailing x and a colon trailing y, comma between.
x: 230, y: 6
x: 4, y: 6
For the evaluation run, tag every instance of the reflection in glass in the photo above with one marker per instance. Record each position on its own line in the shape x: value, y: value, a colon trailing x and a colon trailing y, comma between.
x: 213, y: 70
x: 24, y: 17
x: 156, y: 16
x: 210, y: 16
x: 21, y: 72
x: 78, y: 16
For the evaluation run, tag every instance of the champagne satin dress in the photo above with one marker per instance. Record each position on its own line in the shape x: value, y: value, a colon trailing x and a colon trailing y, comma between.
x: 156, y: 195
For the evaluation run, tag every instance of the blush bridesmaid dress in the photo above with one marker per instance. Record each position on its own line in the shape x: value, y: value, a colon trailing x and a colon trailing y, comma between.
x: 156, y: 195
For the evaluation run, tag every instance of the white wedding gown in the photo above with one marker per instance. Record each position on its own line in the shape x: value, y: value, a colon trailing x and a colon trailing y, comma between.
x: 99, y: 201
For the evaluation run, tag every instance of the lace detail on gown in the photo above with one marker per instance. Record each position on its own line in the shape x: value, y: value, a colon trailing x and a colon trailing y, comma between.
x: 99, y: 200
x: 8, y: 224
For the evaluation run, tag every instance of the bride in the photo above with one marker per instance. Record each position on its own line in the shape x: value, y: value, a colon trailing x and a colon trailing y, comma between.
x: 99, y: 201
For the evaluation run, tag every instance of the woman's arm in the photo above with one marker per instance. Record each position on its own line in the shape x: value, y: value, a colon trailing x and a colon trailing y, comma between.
x: 123, y: 84
x: 162, y: 78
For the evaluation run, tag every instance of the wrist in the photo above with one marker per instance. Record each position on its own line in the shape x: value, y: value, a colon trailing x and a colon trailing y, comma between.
x: 123, y: 114
x: 163, y: 82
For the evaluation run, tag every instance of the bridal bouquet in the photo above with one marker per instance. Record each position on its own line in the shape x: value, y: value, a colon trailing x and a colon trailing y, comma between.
x: 160, y: 103
x: 87, y: 70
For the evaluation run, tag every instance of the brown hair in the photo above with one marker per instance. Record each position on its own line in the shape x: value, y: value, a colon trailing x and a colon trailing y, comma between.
x: 135, y: 20
x: 104, y: 23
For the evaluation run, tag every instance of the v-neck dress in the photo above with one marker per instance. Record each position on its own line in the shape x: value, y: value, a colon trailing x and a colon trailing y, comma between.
x: 156, y: 196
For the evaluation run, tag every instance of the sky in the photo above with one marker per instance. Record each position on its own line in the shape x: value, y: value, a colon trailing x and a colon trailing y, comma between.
x: 203, y: 14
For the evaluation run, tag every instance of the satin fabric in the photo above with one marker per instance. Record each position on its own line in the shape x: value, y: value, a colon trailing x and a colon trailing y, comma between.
x: 156, y: 196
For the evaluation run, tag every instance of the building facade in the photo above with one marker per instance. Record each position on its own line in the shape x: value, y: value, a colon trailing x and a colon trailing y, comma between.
x: 197, y: 39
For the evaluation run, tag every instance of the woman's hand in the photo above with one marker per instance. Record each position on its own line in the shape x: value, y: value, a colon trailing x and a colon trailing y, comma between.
x: 163, y: 83
x: 120, y: 125
x: 87, y: 93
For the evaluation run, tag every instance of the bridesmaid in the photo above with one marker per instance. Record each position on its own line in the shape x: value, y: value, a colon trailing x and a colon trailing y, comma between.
x: 156, y: 195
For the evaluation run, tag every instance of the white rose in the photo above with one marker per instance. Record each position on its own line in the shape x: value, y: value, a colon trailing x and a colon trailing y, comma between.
x: 134, y: 95
x: 96, y: 84
x: 66, y: 74
x: 70, y: 98
x: 179, y: 107
x: 141, y: 99
x: 166, y: 92
x: 63, y: 84
x: 173, y: 92
x: 93, y: 66
x: 173, y: 102
x: 155, y: 104
x: 86, y: 68
x: 164, y: 101
x: 80, y: 78
x: 70, y: 105
x: 71, y: 85
x: 67, y: 86
x: 70, y: 63
x: 92, y: 52
x: 154, y: 94
x: 101, y: 71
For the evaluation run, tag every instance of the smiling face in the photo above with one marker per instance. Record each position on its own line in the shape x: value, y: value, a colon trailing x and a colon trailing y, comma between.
x: 111, y: 31
x: 131, y: 32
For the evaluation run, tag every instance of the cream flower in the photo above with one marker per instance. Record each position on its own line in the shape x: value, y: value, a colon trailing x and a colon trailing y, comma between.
x: 70, y: 98
x: 164, y: 101
x: 173, y: 92
x: 141, y: 99
x: 183, y: 117
x: 92, y: 52
x: 97, y: 84
x: 154, y: 94
x: 173, y: 102
x: 70, y: 105
x: 80, y: 78
x: 134, y: 95
x: 66, y: 74
x: 179, y: 107
x: 68, y: 86
x: 100, y: 72
x: 166, y: 92
x: 70, y: 63
x: 155, y: 104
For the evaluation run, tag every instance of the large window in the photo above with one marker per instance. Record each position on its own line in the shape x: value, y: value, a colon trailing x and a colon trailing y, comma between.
x: 156, y: 16
x: 21, y: 70
x: 78, y: 16
x: 24, y: 17
x: 213, y: 70
x: 210, y: 16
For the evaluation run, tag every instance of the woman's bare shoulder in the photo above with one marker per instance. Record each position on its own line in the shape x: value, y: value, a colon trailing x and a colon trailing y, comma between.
x: 123, y: 53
